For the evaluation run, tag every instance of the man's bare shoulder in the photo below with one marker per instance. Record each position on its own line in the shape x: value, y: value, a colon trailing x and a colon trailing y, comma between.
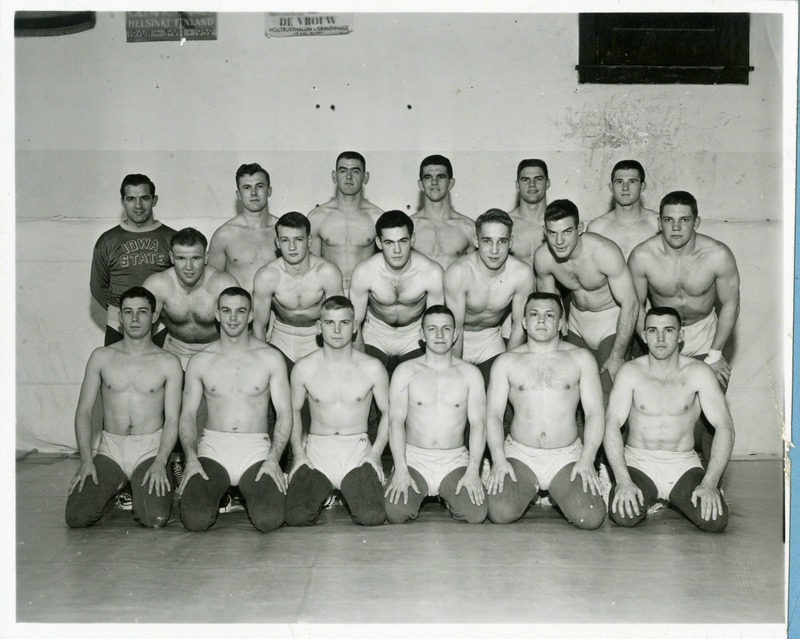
x: 461, y: 266
x: 712, y: 246
x: 423, y: 263
x: 542, y: 256
x: 367, y: 267
x: 228, y: 227
x: 320, y: 211
x: 160, y: 281
x: 218, y: 280
x: 518, y: 268
x: 267, y: 353
x: 270, y: 272
x: 601, y: 222
x: 469, y: 372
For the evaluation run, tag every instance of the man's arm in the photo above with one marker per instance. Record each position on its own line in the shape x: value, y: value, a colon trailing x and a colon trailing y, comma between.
x: 496, y: 400
x: 154, y: 284
x: 620, y: 283
x: 455, y: 297
x: 380, y: 392
x: 331, y: 280
x: 521, y: 293
x: 398, y: 411
x: 83, y: 420
x: 156, y: 475
x: 636, y: 265
x: 435, y: 284
x: 316, y: 241
x: 216, y: 250
x: 594, y: 420
x: 100, y: 278
x: 264, y: 283
x: 476, y: 414
x: 727, y: 284
x: 187, y: 423
x: 359, y: 295
x: 545, y: 280
x: 297, y: 389
x: 280, y: 394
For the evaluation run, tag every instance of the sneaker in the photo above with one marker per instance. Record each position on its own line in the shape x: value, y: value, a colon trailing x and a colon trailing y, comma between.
x: 331, y: 501
x: 177, y: 473
x: 125, y: 500
x: 658, y: 506
x: 605, y: 482
x: 542, y: 500
x: 486, y: 471
x: 230, y: 505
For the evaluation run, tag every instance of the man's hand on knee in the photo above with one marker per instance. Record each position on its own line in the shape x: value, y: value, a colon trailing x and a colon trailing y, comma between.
x: 193, y: 467
x: 86, y: 470
x: 627, y: 497
x: 300, y: 459
x: 589, y: 478
x: 399, y: 485
x: 500, y: 469
x: 710, y: 501
x: 156, y: 477
x: 471, y: 482
x: 271, y: 468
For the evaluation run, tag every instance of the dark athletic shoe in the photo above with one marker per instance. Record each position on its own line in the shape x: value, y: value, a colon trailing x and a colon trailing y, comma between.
x: 125, y: 500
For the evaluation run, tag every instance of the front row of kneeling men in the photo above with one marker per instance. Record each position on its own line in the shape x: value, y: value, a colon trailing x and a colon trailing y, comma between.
x: 431, y: 403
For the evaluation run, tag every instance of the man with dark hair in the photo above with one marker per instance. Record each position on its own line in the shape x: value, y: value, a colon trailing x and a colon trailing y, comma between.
x: 127, y: 254
x: 604, y: 306
x: 343, y: 229
x: 431, y: 398
x: 140, y: 386
x: 443, y: 233
x: 237, y: 375
x: 659, y: 461
x: 339, y: 383
x: 628, y: 223
x: 482, y: 288
x: 544, y: 379
x: 246, y: 242
x: 391, y: 290
x: 531, y: 184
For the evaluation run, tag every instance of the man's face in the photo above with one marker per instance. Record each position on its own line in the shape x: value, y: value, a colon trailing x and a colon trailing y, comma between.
x: 395, y: 244
x: 494, y: 243
x: 438, y: 332
x: 532, y: 184
x: 626, y: 186
x: 542, y: 320
x: 336, y: 326
x: 349, y: 176
x: 662, y: 333
x: 254, y: 191
x: 189, y: 262
x: 678, y: 225
x: 136, y: 317
x: 435, y: 183
x: 562, y: 237
x: 293, y: 244
x: 138, y: 203
x: 233, y: 314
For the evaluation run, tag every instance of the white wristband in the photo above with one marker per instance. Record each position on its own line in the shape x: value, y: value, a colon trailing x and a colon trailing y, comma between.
x: 713, y: 356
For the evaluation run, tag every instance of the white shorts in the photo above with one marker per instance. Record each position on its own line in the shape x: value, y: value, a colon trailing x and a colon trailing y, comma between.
x: 664, y: 467
x: 482, y: 345
x: 129, y: 450
x: 336, y: 455
x: 183, y: 350
x: 294, y: 341
x: 389, y: 339
x: 235, y: 452
x: 544, y: 462
x: 435, y: 464
x: 593, y: 326
x: 697, y: 337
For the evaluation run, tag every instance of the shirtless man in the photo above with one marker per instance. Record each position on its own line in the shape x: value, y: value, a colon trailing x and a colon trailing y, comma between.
x: 339, y: 383
x: 140, y: 386
x: 246, y: 242
x: 482, y: 288
x: 443, y: 234
x: 343, y: 229
x: 390, y: 292
x: 186, y: 295
x: 661, y: 396
x: 604, y: 307
x: 544, y: 379
x: 293, y: 286
x: 628, y: 223
x: 237, y: 375
x: 430, y: 399
x: 532, y: 184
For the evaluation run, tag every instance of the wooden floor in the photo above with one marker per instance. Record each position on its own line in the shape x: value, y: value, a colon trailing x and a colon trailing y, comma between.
x: 537, y: 570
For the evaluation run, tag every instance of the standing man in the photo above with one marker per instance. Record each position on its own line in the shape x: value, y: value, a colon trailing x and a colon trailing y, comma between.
x: 544, y: 380
x: 628, y: 223
x: 604, y: 306
x: 443, y: 234
x: 127, y: 254
x: 390, y: 292
x: 339, y: 383
x: 482, y: 288
x: 140, y: 386
x: 659, y: 461
x: 343, y: 229
x: 532, y: 184
x: 430, y: 400
x: 246, y: 242
x: 237, y: 375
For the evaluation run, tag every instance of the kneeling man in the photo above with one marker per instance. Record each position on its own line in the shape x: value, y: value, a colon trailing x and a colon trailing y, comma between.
x: 430, y: 399
x: 339, y: 383
x: 237, y: 375
x: 661, y: 395
x: 544, y: 379
x: 141, y: 392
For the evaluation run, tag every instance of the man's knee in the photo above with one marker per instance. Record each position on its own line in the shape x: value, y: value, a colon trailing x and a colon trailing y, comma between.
x: 503, y: 509
x: 399, y: 513
x: 305, y: 496
x: 363, y: 493
x: 266, y: 519
x: 622, y: 518
x: 195, y: 517
x: 582, y: 508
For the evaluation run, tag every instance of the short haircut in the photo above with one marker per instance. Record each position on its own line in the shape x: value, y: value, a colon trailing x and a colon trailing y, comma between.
x: 392, y: 220
x: 139, y: 291
x: 188, y: 237
x: 541, y: 295
x: 336, y: 302
x: 561, y: 209
x: 678, y: 197
x: 136, y: 179
x: 250, y: 169
x: 438, y: 160
x: 294, y: 220
x: 532, y: 163
x: 494, y: 215
x: 628, y: 165
x: 661, y: 311
x: 352, y: 155
x: 236, y: 291
x: 437, y: 309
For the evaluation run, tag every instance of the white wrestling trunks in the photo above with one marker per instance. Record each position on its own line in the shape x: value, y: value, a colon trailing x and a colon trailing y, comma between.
x: 664, y: 467
x: 183, y: 350
x: 235, y: 452
x: 435, y: 464
x: 388, y: 339
x: 293, y: 341
x: 482, y: 345
x: 697, y: 337
x: 593, y: 326
x: 129, y: 450
x: 544, y: 462
x: 336, y: 455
